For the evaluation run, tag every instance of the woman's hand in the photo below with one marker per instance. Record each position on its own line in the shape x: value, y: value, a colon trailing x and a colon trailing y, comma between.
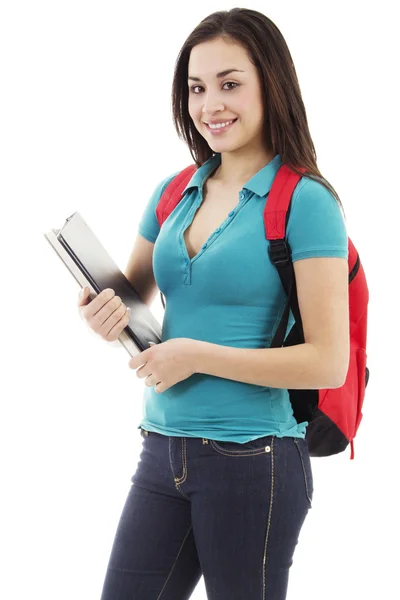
x: 167, y: 363
x: 105, y: 315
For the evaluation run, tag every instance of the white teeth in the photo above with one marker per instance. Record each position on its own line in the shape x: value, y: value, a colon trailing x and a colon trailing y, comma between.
x: 219, y: 125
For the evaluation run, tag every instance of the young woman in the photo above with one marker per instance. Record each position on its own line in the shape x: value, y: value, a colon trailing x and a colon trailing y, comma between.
x: 224, y: 481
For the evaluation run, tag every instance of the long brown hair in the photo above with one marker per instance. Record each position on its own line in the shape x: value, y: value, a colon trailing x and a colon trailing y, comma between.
x: 286, y: 129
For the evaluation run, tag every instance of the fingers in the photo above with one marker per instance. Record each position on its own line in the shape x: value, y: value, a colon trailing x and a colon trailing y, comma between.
x: 105, y: 314
x: 83, y: 297
x: 115, y: 331
x: 92, y: 307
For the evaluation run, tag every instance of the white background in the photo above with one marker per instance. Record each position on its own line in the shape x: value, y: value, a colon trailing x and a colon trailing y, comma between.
x: 86, y: 125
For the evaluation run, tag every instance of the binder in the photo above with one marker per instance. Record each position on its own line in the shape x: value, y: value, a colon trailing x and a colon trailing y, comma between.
x: 91, y: 265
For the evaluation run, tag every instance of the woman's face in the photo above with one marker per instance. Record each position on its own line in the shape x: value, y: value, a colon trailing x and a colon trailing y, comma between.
x: 237, y: 95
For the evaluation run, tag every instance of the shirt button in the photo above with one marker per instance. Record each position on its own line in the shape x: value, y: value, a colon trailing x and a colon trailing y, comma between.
x: 231, y: 213
x: 205, y: 246
x: 218, y: 230
x: 241, y: 196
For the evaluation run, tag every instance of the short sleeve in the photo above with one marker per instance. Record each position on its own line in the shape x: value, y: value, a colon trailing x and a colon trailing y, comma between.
x: 316, y: 225
x: 148, y: 225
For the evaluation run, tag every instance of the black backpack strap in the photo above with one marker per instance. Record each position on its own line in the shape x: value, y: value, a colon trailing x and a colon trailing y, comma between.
x: 276, y: 214
x: 280, y: 255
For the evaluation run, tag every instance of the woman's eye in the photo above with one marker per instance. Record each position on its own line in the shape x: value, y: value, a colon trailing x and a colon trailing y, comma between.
x: 226, y: 83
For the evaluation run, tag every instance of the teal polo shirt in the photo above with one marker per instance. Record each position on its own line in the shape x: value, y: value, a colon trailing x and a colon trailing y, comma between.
x: 231, y: 294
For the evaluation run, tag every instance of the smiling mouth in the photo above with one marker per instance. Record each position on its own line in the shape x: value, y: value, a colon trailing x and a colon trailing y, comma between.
x: 220, y: 129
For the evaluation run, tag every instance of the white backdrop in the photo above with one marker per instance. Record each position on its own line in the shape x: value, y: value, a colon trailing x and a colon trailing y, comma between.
x: 86, y: 125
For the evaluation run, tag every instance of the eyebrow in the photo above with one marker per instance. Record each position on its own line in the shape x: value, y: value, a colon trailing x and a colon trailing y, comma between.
x: 219, y: 75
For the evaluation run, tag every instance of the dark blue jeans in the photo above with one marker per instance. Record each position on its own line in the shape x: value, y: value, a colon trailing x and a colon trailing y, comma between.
x: 228, y: 511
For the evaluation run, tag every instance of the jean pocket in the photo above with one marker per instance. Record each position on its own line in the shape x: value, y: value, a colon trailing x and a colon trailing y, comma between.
x: 304, y: 454
x: 261, y: 445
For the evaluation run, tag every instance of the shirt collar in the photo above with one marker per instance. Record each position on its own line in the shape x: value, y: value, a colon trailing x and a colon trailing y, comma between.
x: 260, y: 183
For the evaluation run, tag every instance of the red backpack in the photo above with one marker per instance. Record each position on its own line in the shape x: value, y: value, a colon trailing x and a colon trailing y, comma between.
x: 333, y: 415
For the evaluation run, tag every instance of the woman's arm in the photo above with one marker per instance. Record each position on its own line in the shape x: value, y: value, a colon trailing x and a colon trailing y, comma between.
x: 319, y: 363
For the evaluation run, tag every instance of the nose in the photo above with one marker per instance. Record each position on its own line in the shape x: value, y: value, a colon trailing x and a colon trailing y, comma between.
x: 211, y: 105
x: 209, y: 110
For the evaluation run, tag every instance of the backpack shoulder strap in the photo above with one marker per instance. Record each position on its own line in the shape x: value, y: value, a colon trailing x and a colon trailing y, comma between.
x: 278, y: 202
x: 275, y: 213
x: 173, y: 193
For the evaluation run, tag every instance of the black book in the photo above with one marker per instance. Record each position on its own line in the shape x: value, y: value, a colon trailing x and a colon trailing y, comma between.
x: 91, y: 265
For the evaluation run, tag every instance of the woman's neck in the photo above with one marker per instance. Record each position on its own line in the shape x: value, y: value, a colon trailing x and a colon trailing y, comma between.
x: 230, y: 175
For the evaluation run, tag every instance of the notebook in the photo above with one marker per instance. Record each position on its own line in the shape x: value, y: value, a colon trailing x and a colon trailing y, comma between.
x: 91, y: 265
